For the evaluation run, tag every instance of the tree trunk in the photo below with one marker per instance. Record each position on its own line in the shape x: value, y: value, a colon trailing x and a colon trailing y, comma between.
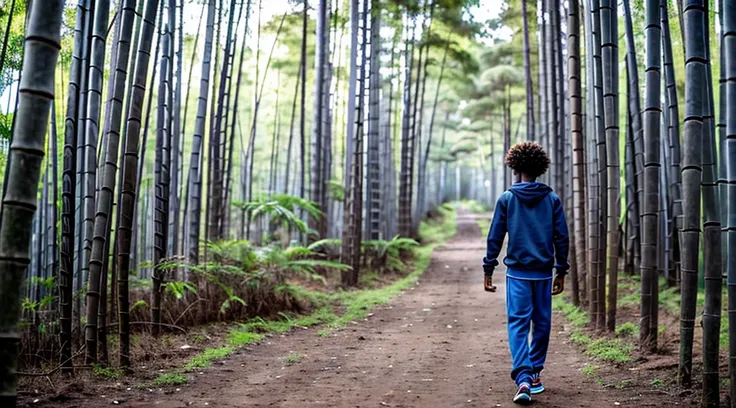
x: 161, y: 186
x: 195, y: 175
x: 650, y: 204
x: 217, y: 136
x: 712, y: 251
x: 177, y: 50
x: 637, y: 141
x: 317, y: 172
x: 36, y: 93
x: 424, y: 159
x: 373, y: 180
x: 728, y: 50
x: 302, y: 116
x: 130, y: 179
x: 68, y: 195
x: 94, y: 102
x: 601, y: 246
x: 406, y: 142
x: 609, y: 38
x: 228, y: 177
x: 542, y: 57
x: 693, y: 132
x: 578, y: 143
x: 291, y: 132
x: 673, y: 136
x: 530, y: 129
x: 351, y: 240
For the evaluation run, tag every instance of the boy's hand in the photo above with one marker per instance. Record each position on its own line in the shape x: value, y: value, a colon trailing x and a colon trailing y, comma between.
x: 558, y: 286
x: 488, y: 284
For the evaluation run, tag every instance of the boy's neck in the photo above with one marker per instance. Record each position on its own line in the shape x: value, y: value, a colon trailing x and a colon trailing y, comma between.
x: 526, y: 178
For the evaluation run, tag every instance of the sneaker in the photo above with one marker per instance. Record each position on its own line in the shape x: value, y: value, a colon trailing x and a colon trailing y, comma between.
x: 537, y: 387
x: 523, y: 395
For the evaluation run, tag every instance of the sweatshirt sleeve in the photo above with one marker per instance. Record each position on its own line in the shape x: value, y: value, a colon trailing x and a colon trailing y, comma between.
x: 561, y: 239
x: 495, y: 237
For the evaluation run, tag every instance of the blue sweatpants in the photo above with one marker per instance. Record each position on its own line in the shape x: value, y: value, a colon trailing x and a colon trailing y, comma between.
x: 528, y: 301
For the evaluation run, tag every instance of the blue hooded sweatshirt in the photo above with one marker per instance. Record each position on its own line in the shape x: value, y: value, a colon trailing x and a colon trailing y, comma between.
x: 531, y: 213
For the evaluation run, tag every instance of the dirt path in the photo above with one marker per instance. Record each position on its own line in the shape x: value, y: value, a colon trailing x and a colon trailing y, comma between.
x: 442, y: 344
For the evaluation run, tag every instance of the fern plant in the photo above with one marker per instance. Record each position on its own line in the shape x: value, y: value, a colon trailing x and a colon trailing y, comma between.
x: 281, y: 210
x: 387, y: 254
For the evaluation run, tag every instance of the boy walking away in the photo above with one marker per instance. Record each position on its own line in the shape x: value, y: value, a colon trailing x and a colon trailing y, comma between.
x: 531, y: 213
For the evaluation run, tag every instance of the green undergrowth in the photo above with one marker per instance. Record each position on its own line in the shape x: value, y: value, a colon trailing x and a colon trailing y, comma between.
x: 626, y: 330
x: 107, y: 372
x: 475, y: 207
x: 169, y: 379
x: 669, y: 301
x: 614, y: 351
x: 292, y: 358
x: 334, y: 310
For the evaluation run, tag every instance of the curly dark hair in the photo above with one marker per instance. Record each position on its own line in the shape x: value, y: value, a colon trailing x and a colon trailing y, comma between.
x: 528, y: 158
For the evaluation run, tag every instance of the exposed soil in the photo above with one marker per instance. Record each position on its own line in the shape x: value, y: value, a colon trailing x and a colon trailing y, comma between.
x: 441, y: 344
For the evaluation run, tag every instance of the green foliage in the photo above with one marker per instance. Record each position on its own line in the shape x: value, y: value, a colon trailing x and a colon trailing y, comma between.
x: 292, y: 358
x: 576, y: 316
x: 169, y: 379
x: 141, y: 304
x: 107, y: 372
x: 626, y: 329
x: 387, y: 254
x: 179, y: 289
x: 198, y: 338
x: 657, y: 383
x: 240, y: 337
x: 440, y: 229
x: 336, y: 190
x: 579, y: 337
x: 623, y: 384
x: 589, y: 370
x: 281, y: 210
x: 609, y: 350
x: 476, y: 207
x: 206, y: 357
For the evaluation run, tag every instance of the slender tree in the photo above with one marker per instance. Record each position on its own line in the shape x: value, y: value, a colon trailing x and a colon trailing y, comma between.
x: 650, y: 205
x: 636, y: 136
x: 317, y: 161
x: 729, y: 50
x: 609, y: 50
x: 578, y: 138
x: 592, y: 230
x: 94, y: 102
x: 68, y: 194
x: 130, y: 178
x: 405, y: 198
x: 351, y: 241
x: 673, y: 137
x: 303, y: 99
x: 217, y: 170
x: 598, y: 258
x: 712, y: 251
x: 35, y: 95
x: 373, y: 179
x: 530, y: 125
x: 195, y: 175
x: 693, y: 131
x: 161, y: 186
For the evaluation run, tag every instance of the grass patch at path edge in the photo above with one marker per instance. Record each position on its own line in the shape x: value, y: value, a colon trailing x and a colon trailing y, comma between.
x: 608, y: 350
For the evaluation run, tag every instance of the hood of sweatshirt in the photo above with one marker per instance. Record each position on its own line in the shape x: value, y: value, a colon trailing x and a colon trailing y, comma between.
x: 530, y: 193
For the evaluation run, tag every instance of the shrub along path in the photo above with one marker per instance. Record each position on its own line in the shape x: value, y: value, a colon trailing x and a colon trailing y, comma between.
x: 441, y: 344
